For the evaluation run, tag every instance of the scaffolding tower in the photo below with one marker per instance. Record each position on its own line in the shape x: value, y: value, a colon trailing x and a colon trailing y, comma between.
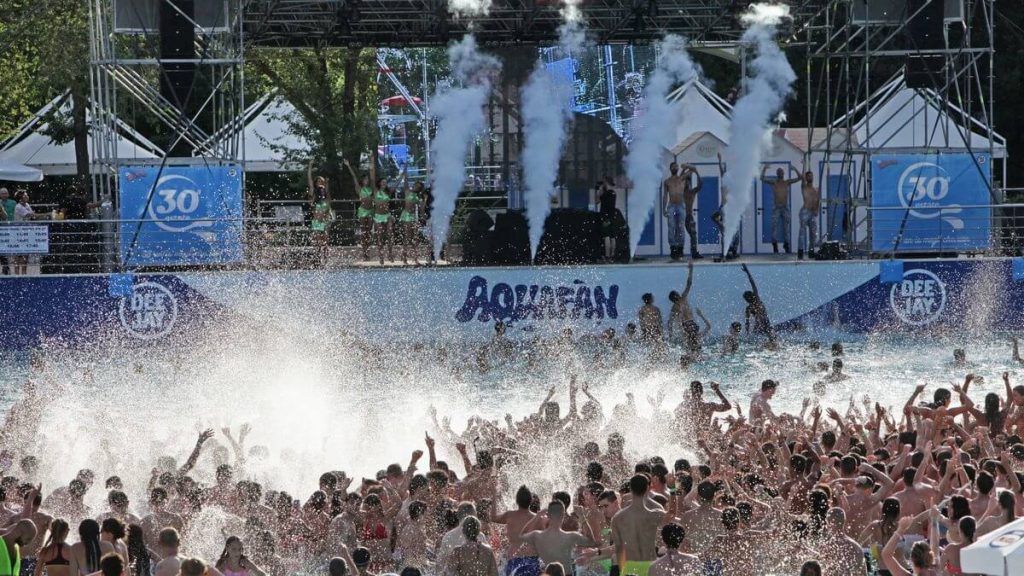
x: 861, y: 52
x: 126, y: 70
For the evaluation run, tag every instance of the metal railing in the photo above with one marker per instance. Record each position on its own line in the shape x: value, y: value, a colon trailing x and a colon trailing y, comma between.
x: 279, y: 236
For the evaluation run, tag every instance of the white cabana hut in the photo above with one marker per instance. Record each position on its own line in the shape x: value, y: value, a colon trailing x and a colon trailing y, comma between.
x: 32, y: 147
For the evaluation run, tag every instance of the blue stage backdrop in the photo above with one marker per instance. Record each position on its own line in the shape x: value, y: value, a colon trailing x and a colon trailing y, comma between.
x: 181, y: 215
x: 931, y: 190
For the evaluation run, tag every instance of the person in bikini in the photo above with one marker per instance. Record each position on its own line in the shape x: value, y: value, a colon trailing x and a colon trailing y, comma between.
x: 364, y: 211
x: 320, y: 201
x: 409, y: 219
x: 383, y: 222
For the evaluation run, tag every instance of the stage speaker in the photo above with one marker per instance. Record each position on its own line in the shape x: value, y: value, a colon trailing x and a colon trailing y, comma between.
x: 510, y: 243
x: 476, y: 238
x: 177, y: 42
x: 571, y: 237
x: 926, y: 24
x: 831, y: 250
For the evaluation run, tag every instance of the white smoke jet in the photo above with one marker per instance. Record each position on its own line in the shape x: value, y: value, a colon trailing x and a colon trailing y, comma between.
x: 460, y: 117
x: 546, y: 109
x: 469, y: 7
x: 763, y: 97
x: 653, y: 132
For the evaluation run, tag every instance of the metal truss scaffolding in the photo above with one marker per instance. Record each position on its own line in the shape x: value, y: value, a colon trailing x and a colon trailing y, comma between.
x: 863, y: 52
x: 126, y: 72
x: 297, y: 23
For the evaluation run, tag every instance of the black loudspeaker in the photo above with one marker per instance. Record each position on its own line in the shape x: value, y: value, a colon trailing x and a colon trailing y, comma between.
x: 831, y: 250
x: 926, y: 24
x: 177, y: 42
x: 571, y: 237
x: 476, y: 238
x: 510, y: 243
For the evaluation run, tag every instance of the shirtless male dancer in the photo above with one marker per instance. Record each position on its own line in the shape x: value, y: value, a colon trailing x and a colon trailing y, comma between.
x: 780, y: 206
x: 522, y: 558
x: 718, y: 218
x: 635, y: 529
x: 677, y: 204
x: 808, y: 216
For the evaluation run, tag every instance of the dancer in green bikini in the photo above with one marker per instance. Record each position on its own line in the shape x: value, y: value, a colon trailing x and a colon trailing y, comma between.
x: 414, y: 201
x: 320, y: 200
x: 364, y: 212
x: 383, y: 222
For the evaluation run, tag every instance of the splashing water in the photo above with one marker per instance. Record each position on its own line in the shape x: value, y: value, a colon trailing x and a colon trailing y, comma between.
x: 653, y: 133
x: 546, y: 109
x: 763, y: 97
x: 460, y: 115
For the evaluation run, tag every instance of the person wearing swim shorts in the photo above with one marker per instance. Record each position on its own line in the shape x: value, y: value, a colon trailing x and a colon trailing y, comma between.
x: 635, y: 529
x: 364, y: 211
x: 522, y: 558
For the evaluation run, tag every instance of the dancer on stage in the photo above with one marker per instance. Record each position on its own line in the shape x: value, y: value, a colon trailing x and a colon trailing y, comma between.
x: 383, y: 221
x: 319, y: 197
x: 410, y: 217
x: 364, y: 212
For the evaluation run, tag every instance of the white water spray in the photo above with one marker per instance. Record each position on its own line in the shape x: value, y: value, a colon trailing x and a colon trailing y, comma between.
x: 460, y: 117
x: 546, y: 109
x: 653, y: 133
x: 469, y: 7
x: 763, y: 97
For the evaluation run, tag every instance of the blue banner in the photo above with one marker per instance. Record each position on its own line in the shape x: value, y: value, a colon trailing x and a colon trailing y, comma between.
x: 931, y: 191
x: 181, y: 215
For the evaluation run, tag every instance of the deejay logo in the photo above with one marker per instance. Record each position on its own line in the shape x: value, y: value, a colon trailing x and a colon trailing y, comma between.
x: 1011, y: 537
x: 919, y: 299
x: 150, y: 312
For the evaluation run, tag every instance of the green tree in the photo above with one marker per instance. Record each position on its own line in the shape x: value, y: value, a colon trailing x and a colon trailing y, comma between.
x: 48, y: 43
x: 335, y: 98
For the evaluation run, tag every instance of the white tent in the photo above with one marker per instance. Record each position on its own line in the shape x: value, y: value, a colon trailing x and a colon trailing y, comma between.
x: 32, y: 147
x: 1000, y: 552
x: 13, y: 172
x: 702, y: 111
x: 900, y: 118
x: 266, y: 133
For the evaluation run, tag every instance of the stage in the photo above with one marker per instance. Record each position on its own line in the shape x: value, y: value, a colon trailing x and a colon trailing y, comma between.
x: 451, y: 303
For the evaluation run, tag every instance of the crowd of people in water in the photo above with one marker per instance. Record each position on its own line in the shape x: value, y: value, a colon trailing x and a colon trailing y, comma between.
x: 745, y: 489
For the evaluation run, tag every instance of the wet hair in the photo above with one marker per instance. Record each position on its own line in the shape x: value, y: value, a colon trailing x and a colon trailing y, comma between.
x: 968, y: 526
x: 608, y: 495
x: 769, y: 385
x: 112, y: 564
x: 673, y: 535
x: 169, y: 537
x: 523, y: 497
x: 959, y: 507
x: 837, y: 348
x: 337, y: 567
x: 417, y: 482
x: 1008, y: 502
x: 639, y: 484
x: 114, y: 482
x: 138, y: 553
x: 810, y: 568
x: 942, y: 396
x: 642, y: 468
x: 159, y: 495
x: 595, y: 471
x: 984, y: 482
x: 706, y: 490
x: 193, y: 567
x: 411, y: 570
x: 736, y: 326
x: 437, y: 478
x: 89, y: 535
x: 921, y: 555
x: 224, y: 554
x: 992, y: 412
x: 908, y: 476
x: 748, y: 295
x: 890, y: 516
x: 77, y: 488
x: 416, y: 509
x: 471, y: 528
x: 673, y: 296
x: 117, y: 498
x: 564, y: 498
x: 648, y: 298
x: 361, y: 556
x: 828, y: 439
x: 731, y: 518
x: 58, y: 526
x: 114, y: 527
